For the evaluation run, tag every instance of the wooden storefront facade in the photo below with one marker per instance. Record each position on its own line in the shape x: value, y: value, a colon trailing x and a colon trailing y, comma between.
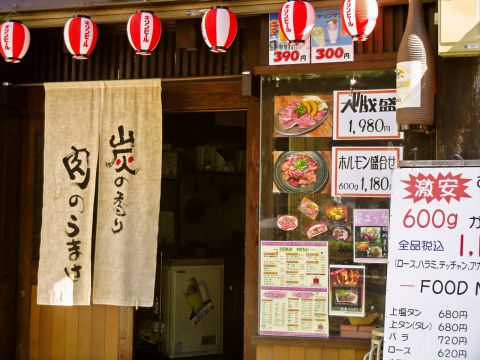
x: 193, y: 81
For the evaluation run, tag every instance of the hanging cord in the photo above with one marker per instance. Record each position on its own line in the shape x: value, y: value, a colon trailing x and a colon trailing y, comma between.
x: 82, y: 6
x: 353, y: 82
x: 14, y: 12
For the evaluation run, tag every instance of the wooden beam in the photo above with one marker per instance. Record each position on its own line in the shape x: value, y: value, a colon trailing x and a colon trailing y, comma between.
x: 381, y: 61
x: 120, y: 14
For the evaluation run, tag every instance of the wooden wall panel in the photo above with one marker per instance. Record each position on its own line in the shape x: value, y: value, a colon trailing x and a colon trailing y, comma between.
x: 322, y: 352
x: 114, y: 58
x: 458, y: 113
x: 78, y: 332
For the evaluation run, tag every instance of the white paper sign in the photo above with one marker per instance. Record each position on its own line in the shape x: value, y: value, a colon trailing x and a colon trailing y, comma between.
x: 281, y: 52
x: 364, y: 171
x: 329, y: 43
x: 365, y: 115
x: 433, y: 285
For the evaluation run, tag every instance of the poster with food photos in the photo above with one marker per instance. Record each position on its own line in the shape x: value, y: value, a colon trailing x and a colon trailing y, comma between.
x: 347, y: 290
x: 370, y: 235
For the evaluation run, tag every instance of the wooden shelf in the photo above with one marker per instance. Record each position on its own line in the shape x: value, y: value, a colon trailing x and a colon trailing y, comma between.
x: 332, y: 342
x: 380, y: 61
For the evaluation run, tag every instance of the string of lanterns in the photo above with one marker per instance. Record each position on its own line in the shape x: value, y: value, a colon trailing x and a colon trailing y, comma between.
x: 219, y: 29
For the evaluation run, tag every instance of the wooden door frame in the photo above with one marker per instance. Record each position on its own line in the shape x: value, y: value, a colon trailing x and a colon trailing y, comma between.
x: 203, y: 94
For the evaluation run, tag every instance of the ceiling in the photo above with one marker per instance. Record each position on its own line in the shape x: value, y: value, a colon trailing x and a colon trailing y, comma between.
x: 7, y: 6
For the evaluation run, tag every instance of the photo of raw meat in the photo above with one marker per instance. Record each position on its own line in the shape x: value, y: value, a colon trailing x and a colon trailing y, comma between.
x: 300, y: 171
x: 301, y: 115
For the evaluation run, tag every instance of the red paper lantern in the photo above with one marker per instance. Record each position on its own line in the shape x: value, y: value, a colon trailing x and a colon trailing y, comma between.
x: 144, y: 30
x: 80, y: 35
x: 15, y: 40
x: 297, y: 19
x: 359, y: 17
x: 219, y: 28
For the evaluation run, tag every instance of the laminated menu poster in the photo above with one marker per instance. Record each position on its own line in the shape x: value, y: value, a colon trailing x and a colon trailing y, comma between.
x: 433, y: 285
x: 370, y: 235
x: 294, y: 288
x: 347, y: 290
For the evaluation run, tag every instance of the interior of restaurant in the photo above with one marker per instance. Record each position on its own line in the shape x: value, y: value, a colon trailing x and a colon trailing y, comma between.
x: 202, y: 220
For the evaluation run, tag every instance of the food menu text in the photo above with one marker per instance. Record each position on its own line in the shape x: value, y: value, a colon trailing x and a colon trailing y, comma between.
x: 294, y: 288
x: 433, y: 286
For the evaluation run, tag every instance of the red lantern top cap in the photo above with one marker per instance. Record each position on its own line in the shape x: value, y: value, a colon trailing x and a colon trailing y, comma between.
x: 220, y: 7
x: 81, y: 16
x: 144, y: 11
x: 14, y: 21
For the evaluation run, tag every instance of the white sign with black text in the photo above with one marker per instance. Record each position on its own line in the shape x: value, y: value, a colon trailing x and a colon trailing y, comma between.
x: 433, y: 284
x: 364, y: 171
x: 365, y: 115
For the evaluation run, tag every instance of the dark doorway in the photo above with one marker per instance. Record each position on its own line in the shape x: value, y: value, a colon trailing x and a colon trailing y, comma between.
x: 202, y: 217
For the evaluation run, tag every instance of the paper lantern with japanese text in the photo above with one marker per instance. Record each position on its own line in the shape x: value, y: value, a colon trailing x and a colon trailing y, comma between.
x: 359, y: 17
x: 144, y: 30
x: 15, y: 40
x: 297, y: 19
x: 80, y: 35
x: 219, y: 28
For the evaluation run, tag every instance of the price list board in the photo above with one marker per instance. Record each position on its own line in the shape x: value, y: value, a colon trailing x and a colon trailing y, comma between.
x: 364, y: 171
x: 365, y: 115
x: 294, y: 288
x: 433, y: 286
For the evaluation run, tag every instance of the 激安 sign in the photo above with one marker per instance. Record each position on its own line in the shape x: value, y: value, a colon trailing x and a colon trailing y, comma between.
x: 433, y: 284
x: 365, y: 115
x: 364, y: 171
x: 329, y: 43
x: 281, y: 52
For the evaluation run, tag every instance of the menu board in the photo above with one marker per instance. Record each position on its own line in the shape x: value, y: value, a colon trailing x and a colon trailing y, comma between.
x: 281, y: 52
x: 433, y: 284
x: 347, y: 290
x: 330, y: 42
x: 365, y: 115
x: 294, y: 288
x: 364, y: 171
x: 370, y: 235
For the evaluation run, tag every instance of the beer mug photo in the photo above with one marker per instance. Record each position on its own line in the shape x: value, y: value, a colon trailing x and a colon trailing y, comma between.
x: 192, y: 294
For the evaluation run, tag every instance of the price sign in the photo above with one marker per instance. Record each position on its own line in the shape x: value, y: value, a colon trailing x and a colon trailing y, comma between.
x: 330, y: 43
x: 364, y: 171
x: 281, y: 52
x: 365, y: 115
x: 433, y: 286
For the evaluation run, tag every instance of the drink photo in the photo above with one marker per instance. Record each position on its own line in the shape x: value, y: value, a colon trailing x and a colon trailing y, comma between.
x: 318, y: 35
x: 332, y: 30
